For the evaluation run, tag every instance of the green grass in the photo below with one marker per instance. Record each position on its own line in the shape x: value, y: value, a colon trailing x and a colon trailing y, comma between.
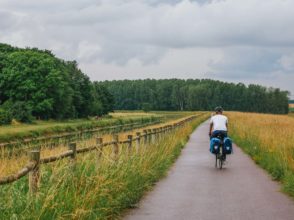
x: 45, y: 128
x: 268, y: 139
x: 92, y: 192
x: 19, y: 132
x: 272, y: 162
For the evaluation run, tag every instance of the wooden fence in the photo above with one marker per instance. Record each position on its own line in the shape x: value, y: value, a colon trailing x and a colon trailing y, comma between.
x: 78, y: 134
x: 32, y: 169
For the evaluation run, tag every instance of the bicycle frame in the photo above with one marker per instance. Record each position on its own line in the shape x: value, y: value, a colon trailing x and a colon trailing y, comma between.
x: 219, y: 157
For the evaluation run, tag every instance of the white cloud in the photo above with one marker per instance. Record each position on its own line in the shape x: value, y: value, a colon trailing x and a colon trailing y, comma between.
x: 287, y: 62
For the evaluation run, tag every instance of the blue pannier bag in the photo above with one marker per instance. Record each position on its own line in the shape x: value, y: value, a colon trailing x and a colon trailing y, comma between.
x: 228, y: 145
x: 214, y: 145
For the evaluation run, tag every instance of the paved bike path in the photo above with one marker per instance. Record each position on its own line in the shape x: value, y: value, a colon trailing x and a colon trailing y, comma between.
x: 194, y: 189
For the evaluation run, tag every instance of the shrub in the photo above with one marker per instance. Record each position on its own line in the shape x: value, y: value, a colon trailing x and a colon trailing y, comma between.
x: 146, y: 107
x: 21, y: 111
x: 5, y: 117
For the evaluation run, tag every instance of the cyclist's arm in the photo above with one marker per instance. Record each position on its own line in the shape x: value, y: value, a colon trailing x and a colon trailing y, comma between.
x: 227, y: 125
x: 210, y: 128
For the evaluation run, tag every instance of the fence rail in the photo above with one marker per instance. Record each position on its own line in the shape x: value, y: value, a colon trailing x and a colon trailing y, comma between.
x: 33, y: 167
x: 68, y: 135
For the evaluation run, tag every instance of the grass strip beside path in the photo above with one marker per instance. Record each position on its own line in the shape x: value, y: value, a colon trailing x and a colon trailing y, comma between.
x: 268, y: 139
x: 91, y: 191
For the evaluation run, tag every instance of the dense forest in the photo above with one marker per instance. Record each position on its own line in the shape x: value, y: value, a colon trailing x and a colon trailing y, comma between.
x: 195, y: 94
x: 36, y: 84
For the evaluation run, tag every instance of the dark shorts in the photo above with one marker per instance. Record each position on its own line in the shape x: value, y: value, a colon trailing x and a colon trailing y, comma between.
x: 221, y: 133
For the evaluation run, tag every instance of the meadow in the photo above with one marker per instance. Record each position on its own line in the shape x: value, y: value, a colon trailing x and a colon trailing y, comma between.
x: 268, y: 139
x: 21, y: 131
x: 91, y: 191
x: 18, y: 156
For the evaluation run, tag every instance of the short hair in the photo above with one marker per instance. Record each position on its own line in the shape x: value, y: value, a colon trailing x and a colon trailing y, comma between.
x: 219, y: 109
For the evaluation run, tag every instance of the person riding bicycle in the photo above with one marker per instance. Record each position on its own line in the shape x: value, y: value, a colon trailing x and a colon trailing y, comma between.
x: 218, y: 124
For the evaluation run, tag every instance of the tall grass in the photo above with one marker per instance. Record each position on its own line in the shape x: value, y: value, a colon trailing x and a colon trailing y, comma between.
x: 91, y: 191
x: 18, y: 157
x: 269, y: 140
x: 43, y: 128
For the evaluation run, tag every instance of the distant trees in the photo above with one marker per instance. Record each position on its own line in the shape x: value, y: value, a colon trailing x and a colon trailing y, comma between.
x: 34, y: 83
x: 195, y: 94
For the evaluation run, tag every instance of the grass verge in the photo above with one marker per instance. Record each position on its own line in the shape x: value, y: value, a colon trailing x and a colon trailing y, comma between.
x: 42, y: 128
x: 91, y: 191
x: 268, y: 139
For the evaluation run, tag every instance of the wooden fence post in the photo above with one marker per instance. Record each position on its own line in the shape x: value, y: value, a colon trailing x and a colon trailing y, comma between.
x: 34, y: 174
x: 156, y: 134
x: 99, y: 143
x: 73, y: 147
x: 115, y: 149
x: 149, y: 136
x: 145, y: 137
x: 138, y: 142
x: 174, y: 126
x: 153, y: 135
x: 159, y: 132
x: 165, y: 130
x: 130, y: 138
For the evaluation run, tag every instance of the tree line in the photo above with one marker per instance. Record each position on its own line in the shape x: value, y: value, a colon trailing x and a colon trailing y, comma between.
x: 195, y: 94
x: 36, y: 84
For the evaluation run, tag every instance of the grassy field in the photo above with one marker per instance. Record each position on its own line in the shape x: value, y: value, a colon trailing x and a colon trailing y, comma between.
x: 17, y: 159
x: 91, y: 191
x: 43, y: 128
x: 20, y: 131
x: 268, y: 139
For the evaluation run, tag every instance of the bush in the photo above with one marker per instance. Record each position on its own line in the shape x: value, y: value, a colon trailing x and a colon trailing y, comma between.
x: 5, y: 117
x: 21, y: 111
x: 146, y: 107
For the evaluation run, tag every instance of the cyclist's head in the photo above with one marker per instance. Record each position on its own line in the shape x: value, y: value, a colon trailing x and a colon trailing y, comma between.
x: 219, y: 109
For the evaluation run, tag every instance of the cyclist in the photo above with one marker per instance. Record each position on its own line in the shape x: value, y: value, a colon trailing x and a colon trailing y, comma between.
x: 218, y: 124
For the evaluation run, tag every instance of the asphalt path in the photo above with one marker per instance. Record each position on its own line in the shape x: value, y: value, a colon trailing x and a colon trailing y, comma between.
x: 195, y: 189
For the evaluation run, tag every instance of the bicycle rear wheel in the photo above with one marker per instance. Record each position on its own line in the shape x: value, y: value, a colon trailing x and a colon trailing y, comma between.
x: 220, y: 158
x: 220, y: 162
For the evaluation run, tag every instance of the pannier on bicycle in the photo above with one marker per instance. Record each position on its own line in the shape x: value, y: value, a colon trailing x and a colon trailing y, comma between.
x: 215, y: 145
x: 228, y: 148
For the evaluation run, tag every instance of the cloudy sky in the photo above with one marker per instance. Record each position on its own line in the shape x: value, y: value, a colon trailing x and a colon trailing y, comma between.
x: 248, y: 41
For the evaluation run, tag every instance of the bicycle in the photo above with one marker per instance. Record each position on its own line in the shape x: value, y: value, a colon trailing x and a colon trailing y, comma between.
x: 220, y: 156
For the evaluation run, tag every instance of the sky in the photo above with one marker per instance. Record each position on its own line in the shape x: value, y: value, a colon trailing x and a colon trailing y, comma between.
x: 248, y: 41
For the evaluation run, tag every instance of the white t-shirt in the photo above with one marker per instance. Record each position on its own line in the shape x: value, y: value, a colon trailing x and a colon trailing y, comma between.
x: 219, y: 122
